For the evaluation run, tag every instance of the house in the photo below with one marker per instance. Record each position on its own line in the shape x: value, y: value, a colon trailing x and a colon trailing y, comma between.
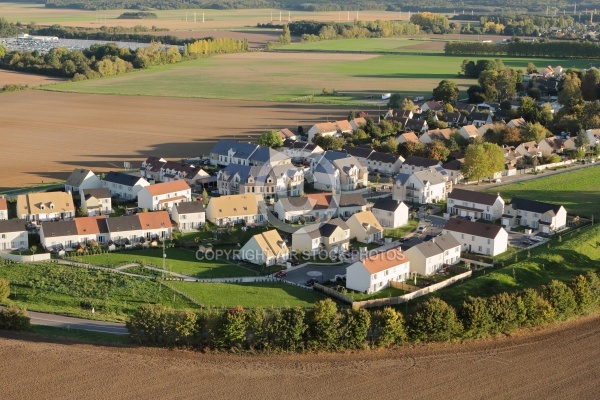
x: 236, y: 209
x: 314, y: 206
x: 364, y: 227
x: 361, y: 153
x: 189, y: 215
x: 156, y: 169
x: 593, y: 136
x: 436, y: 134
x: 339, y: 171
x: 484, y: 128
x: 414, y: 125
x: 454, y: 119
x: 478, y: 237
x: 323, y: 129
x: 332, y: 236
x: 82, y: 179
x: 226, y: 152
x: 480, y: 118
x: 300, y: 151
x: 3, y: 209
x: 162, y: 196
x: 344, y: 127
x: 266, y: 248
x: 517, y: 123
x: 408, y: 137
x: 414, y: 164
x: 374, y: 273
x: 454, y: 170
x: 45, y: 206
x: 278, y: 181
x: 537, y: 215
x: 470, y: 132
x: 429, y: 257
x: 13, y: 235
x: 386, y: 163
x: 423, y: 187
x: 529, y: 149
x: 140, y: 227
x: 124, y: 186
x: 434, y: 106
x: 350, y: 203
x: 58, y: 235
x: 96, y: 201
x: 358, y: 123
x: 476, y: 205
x: 266, y: 156
x: 286, y: 134
x: 467, y: 108
x: 551, y: 145
x: 390, y: 213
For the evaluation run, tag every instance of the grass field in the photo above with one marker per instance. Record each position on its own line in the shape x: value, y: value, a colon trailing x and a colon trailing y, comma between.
x: 577, y: 254
x: 249, y: 295
x: 578, y: 191
x: 390, y: 44
x: 286, y: 77
x: 178, y: 260
x: 73, y: 291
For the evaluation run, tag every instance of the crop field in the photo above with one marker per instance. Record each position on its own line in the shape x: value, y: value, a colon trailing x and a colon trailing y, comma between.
x: 248, y: 295
x: 74, y: 291
x: 22, y: 78
x: 178, y: 260
x: 578, y: 191
x: 391, y: 45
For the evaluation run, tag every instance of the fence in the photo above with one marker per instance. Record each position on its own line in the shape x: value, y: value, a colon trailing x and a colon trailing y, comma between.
x: 27, y: 259
x: 333, y: 293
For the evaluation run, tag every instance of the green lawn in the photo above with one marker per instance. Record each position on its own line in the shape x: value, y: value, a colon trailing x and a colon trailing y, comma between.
x: 578, y: 253
x: 178, y: 260
x: 381, y: 294
x: 73, y: 291
x: 578, y: 191
x: 249, y: 295
x: 397, y: 233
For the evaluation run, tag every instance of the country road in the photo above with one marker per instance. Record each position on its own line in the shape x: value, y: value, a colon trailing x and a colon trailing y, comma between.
x: 60, y: 321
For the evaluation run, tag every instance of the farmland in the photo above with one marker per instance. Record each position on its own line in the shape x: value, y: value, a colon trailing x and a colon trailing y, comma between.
x: 578, y: 191
x: 21, y: 78
x: 249, y: 295
x: 390, y: 44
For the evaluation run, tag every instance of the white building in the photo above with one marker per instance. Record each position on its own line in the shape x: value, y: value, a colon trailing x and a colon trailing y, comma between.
x: 364, y: 227
x: 390, y: 213
x: 428, y: 258
x: 236, y: 209
x: 338, y: 171
x: 374, y: 273
x: 477, y: 237
x: 45, y: 206
x: 189, y: 216
x: 324, y: 129
x: 266, y: 248
x: 477, y: 205
x: 56, y: 235
x: 162, y: 196
x: 332, y: 236
x: 415, y: 164
x: 3, y: 209
x: 124, y: 186
x: 423, y: 187
x: 13, y: 235
x: 145, y: 226
x: 81, y: 179
x: 96, y: 201
x: 537, y: 215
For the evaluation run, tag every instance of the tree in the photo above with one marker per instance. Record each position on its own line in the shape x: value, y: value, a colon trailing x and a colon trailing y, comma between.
x: 285, y: 37
x: 234, y: 327
x: 270, y: 139
x: 476, y: 94
x: 584, y: 296
x: 561, y: 298
x: 292, y: 328
x: 590, y: 84
x: 534, y: 132
x: 205, y: 198
x: 81, y: 212
x: 537, y: 309
x: 531, y: 68
x: 476, y: 317
x: 582, y: 140
x: 437, y: 150
x: 487, y: 80
x: 483, y: 160
x: 506, y: 85
x: 14, y: 318
x: 394, y: 100
x: 351, y: 115
x: 435, y: 321
x: 446, y: 91
x: 388, y: 327
x: 355, y: 328
x: 571, y: 91
x: 4, y: 289
x: 323, y: 326
x: 407, y: 104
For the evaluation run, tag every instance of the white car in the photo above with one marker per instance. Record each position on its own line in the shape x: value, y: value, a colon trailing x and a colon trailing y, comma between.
x: 421, y: 229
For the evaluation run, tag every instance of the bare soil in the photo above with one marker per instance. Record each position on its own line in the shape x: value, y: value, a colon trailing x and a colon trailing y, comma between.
x: 256, y: 38
x: 45, y: 135
x: 560, y: 362
x: 22, y: 78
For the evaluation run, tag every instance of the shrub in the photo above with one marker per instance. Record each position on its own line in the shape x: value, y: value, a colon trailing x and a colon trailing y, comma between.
x: 594, y: 281
x: 475, y: 315
x: 584, y: 297
x: 388, y: 327
x: 355, y: 328
x: 208, y: 326
x: 435, y: 321
x: 4, y: 289
x: 293, y: 328
x: 233, y: 328
x: 323, y: 326
x: 257, y: 325
x: 504, y: 315
x: 14, y: 318
x: 561, y: 298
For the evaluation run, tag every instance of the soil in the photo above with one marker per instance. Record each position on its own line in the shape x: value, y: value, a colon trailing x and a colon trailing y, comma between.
x: 21, y: 78
x: 560, y: 362
x: 256, y: 38
x: 45, y: 135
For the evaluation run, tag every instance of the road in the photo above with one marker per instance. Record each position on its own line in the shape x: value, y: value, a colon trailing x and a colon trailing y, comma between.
x: 59, y: 321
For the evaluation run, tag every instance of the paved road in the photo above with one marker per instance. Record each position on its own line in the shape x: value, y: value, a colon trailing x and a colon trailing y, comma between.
x: 302, y: 274
x: 59, y: 321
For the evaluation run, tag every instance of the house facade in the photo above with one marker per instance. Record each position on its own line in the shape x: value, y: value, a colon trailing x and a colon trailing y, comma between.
x: 332, y: 237
x: 124, y: 186
x: 163, y: 196
x: 189, y: 216
x: 375, y: 273
x: 537, y: 215
x: 248, y: 209
x: 266, y: 248
x: 141, y: 227
x: 390, y: 213
x: 96, y: 201
x: 338, y: 171
x: 415, y: 164
x: 13, y: 235
x: 476, y: 205
x: 3, y: 209
x: 300, y: 151
x: 81, y: 179
x: 478, y: 237
x: 156, y: 169
x: 364, y: 227
x: 429, y: 257
x: 37, y: 207
x: 323, y: 129
x: 423, y: 187
x: 58, y: 235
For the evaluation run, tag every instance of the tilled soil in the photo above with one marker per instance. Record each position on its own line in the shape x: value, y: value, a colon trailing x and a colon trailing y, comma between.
x: 560, y: 362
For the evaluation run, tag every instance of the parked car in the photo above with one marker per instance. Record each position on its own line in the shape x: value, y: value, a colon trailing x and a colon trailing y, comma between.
x: 536, y: 239
x: 404, y: 239
x: 294, y: 262
x: 281, y: 274
x: 421, y: 229
x: 311, y: 282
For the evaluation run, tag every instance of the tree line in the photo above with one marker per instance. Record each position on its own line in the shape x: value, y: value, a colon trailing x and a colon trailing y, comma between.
x: 315, y: 30
x: 325, y: 327
x: 108, y: 59
x: 518, y: 48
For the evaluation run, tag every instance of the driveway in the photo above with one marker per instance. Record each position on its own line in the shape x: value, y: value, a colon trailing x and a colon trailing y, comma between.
x: 322, y: 272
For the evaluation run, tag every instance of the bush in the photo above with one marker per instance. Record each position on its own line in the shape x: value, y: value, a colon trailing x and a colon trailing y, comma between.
x: 435, y: 321
x: 4, y: 289
x: 476, y: 317
x: 561, y: 298
x: 233, y: 329
x: 388, y: 327
x: 502, y: 312
x: 584, y: 297
x: 355, y: 328
x: 14, y: 318
x: 537, y: 309
x: 323, y: 326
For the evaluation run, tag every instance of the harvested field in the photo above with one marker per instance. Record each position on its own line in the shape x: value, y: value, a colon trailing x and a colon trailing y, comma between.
x: 559, y: 362
x: 100, y: 132
x: 22, y: 78
x: 256, y: 38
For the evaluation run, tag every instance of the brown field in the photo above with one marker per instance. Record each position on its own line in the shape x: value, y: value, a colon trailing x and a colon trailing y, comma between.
x: 21, y: 78
x: 561, y: 362
x: 47, y: 134
x: 256, y: 38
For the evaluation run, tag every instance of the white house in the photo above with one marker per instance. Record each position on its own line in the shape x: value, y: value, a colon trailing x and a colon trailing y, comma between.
x: 428, y: 258
x: 56, y: 235
x: 332, y: 236
x: 414, y: 164
x: 300, y: 151
x: 338, y: 171
x: 436, y: 134
x: 145, y: 226
x: 374, y: 273
x: 480, y: 118
x: 156, y: 169
x: 470, y: 132
x: 390, y: 213
x: 477, y: 205
x: 96, y: 201
x: 478, y: 237
x: 364, y: 227
x: 13, y: 234
x: 163, y: 196
x: 386, y: 163
x: 266, y: 248
x: 82, y: 179
x: 3, y: 209
x: 358, y: 123
x: 45, y: 206
x: 424, y: 187
x: 321, y: 206
x: 517, y: 123
x: 350, y: 203
x: 236, y: 209
x: 324, y: 129
x: 189, y: 215
x: 226, y: 152
x: 124, y: 186
x: 538, y: 215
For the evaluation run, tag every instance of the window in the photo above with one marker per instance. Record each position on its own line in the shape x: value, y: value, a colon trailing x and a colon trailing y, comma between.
x: 488, y: 241
x: 479, y: 248
x: 462, y: 235
x: 473, y: 238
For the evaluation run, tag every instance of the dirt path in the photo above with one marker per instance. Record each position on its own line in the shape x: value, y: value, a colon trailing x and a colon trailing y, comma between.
x: 560, y: 362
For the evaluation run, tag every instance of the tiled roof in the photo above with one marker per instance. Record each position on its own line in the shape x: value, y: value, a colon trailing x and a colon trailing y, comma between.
x: 167, y: 187
x: 101, y: 193
x: 421, y: 161
x: 154, y: 220
x: 473, y: 196
x: 190, y: 207
x: 539, y: 207
x: 77, y: 177
x: 3, y: 204
x: 473, y: 228
x: 384, y: 260
x: 122, y: 179
x: 387, y: 204
x: 12, y: 225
